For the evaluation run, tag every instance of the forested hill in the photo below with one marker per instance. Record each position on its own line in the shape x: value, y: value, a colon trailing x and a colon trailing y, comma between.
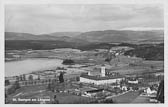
x: 92, y: 36
x: 148, y: 52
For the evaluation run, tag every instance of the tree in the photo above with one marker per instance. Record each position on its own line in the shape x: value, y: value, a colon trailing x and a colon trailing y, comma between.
x: 55, y: 76
x: 51, y: 86
x: 107, y: 60
x: 17, y: 78
x: 55, y: 100
x: 6, y: 101
x: 80, y: 85
x: 17, y: 85
x: 26, y: 83
x: 61, y: 77
x: 24, y: 77
x: 38, y: 77
x: 35, y: 82
x: 160, y: 92
x: 30, y: 77
x: 122, y: 82
x: 152, y: 67
x: 7, y: 82
x: 77, y: 79
x: 21, y: 78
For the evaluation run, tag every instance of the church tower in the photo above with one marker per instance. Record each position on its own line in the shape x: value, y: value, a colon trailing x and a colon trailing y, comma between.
x: 103, y: 71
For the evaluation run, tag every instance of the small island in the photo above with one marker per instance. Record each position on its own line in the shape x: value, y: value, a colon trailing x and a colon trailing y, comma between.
x: 68, y: 62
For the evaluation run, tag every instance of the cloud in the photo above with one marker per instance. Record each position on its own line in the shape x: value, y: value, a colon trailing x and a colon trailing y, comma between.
x: 52, y: 18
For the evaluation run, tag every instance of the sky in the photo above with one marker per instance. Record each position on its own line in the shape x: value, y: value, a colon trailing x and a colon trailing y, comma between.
x: 49, y: 18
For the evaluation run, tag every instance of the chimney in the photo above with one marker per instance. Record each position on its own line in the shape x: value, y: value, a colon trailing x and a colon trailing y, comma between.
x: 103, y: 71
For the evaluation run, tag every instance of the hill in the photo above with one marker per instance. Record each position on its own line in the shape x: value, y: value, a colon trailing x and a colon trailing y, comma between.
x: 148, y: 52
x: 106, y: 36
x: 44, y: 37
x: 67, y: 34
x: 121, y: 35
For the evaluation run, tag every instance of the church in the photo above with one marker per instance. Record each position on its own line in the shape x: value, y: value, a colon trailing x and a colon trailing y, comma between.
x: 101, y: 77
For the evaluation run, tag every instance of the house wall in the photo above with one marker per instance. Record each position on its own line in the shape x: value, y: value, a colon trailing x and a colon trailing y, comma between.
x: 98, y: 82
x: 133, y: 82
x: 159, y: 74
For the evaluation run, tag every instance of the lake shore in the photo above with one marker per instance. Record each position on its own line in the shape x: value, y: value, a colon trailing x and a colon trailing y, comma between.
x: 14, y: 68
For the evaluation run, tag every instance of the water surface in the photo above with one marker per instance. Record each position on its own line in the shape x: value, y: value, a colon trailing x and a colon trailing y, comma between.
x: 15, y: 68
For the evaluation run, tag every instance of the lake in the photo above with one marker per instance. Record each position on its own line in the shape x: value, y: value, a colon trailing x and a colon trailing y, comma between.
x: 15, y: 68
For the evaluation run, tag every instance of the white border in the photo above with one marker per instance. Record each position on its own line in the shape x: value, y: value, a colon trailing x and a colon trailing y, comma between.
x: 82, y: 1
x: 2, y: 3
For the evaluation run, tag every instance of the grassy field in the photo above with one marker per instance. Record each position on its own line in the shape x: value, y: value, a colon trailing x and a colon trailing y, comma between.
x: 36, y: 92
x: 65, y: 98
x: 141, y: 99
x: 126, y: 98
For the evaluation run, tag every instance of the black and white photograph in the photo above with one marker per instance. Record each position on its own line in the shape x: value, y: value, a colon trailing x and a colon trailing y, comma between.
x: 84, y: 53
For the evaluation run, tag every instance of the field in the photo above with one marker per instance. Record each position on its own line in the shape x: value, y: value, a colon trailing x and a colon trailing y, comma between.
x: 126, y: 98
x: 141, y: 99
x: 36, y: 92
x: 131, y: 97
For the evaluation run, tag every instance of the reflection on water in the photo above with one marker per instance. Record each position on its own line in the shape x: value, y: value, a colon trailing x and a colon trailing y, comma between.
x: 26, y: 66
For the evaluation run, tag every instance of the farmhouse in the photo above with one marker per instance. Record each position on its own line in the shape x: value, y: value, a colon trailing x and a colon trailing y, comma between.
x: 133, y: 81
x: 100, y: 78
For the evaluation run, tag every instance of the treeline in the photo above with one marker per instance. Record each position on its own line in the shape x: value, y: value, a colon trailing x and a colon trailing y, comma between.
x: 49, y: 44
x: 46, y: 45
x: 93, y: 46
x: 148, y: 52
x: 36, y: 45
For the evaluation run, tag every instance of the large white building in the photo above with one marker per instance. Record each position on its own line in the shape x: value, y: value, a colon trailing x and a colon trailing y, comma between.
x: 102, y: 78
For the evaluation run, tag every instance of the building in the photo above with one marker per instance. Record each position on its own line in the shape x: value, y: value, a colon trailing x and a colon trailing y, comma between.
x: 150, y: 91
x: 100, y: 78
x: 124, y: 88
x: 89, y: 91
x: 132, y: 80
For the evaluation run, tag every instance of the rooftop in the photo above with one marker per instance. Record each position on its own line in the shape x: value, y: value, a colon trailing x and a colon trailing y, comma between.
x: 101, y: 78
x: 85, y: 89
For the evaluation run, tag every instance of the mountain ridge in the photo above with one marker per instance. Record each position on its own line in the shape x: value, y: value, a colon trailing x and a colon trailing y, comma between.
x: 91, y: 36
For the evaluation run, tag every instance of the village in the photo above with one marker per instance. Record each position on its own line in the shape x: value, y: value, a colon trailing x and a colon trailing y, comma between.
x: 90, y: 81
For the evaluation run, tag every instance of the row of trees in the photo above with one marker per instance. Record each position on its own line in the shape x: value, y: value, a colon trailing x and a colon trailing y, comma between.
x: 37, y: 82
x: 23, y: 77
x: 51, y: 86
